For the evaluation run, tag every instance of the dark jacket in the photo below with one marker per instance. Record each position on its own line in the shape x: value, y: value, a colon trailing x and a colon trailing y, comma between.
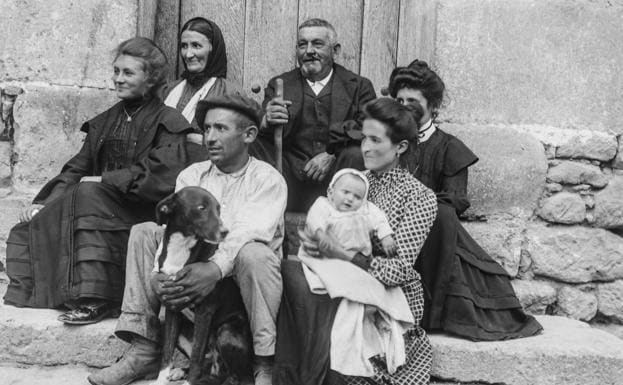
x: 156, y: 155
x: 348, y: 95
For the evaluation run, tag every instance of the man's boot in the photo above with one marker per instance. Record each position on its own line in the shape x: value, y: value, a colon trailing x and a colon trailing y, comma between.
x: 138, y: 362
x: 263, y: 370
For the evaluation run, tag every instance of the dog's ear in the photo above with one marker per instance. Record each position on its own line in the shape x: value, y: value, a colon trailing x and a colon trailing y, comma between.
x: 164, y: 208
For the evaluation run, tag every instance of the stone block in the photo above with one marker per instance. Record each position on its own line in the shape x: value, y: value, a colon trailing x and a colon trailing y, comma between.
x: 568, y: 352
x: 508, y: 178
x: 618, y: 159
x: 556, y: 74
x: 614, y: 329
x: 598, y: 147
x: 577, y: 302
x: 610, y: 297
x: 575, y: 254
x: 535, y: 296
x: 553, y: 187
x: 5, y: 164
x: 48, y: 133
x: 569, y: 172
x: 60, y: 42
x: 501, y: 239
x: 564, y: 207
x: 34, y: 336
x: 609, y: 205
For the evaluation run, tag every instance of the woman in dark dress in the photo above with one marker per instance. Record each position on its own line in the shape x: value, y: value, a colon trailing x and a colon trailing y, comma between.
x: 467, y: 292
x: 70, y: 246
x: 305, y: 319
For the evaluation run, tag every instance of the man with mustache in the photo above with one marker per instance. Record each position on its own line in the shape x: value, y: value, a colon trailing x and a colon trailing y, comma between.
x: 252, y: 198
x: 322, y: 102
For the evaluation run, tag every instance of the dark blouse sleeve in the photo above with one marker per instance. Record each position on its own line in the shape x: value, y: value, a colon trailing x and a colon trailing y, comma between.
x: 153, y: 176
x: 453, y: 191
x: 71, y: 173
x: 419, y: 212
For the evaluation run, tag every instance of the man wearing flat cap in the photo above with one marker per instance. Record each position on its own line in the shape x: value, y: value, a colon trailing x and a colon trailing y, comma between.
x: 252, y: 195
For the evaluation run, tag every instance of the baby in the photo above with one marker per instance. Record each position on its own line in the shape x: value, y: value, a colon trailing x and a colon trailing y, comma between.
x: 347, y: 215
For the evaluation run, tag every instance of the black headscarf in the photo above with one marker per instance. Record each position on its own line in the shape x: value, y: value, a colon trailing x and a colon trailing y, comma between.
x: 217, y: 60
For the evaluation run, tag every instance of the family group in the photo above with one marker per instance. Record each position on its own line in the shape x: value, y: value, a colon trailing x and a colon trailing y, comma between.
x: 382, y: 186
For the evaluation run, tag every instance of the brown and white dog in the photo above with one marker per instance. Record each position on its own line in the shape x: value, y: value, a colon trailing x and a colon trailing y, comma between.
x: 222, y: 351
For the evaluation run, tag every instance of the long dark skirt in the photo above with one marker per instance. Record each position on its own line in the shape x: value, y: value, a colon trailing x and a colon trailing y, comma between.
x: 303, y: 332
x: 74, y: 248
x: 467, y: 292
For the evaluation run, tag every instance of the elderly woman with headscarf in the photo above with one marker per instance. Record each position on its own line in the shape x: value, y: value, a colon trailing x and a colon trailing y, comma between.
x: 70, y: 247
x: 202, y: 49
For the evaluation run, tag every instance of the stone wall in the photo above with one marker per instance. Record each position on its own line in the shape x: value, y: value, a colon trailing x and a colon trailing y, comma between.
x: 60, y: 54
x: 533, y: 91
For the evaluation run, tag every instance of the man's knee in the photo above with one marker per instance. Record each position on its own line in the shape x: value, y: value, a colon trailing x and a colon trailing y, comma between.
x: 256, y: 257
x: 145, y: 232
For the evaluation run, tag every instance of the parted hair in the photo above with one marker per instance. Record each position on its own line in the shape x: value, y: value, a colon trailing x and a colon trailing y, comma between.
x: 154, y: 60
x: 419, y: 76
x: 402, y: 121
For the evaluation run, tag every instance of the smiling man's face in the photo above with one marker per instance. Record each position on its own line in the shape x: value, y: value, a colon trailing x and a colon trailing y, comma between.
x: 315, y: 52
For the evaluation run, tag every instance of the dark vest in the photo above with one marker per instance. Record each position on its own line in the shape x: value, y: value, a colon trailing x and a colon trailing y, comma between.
x: 312, y: 133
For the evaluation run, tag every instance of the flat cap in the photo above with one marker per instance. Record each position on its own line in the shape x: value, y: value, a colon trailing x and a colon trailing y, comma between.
x: 237, y: 102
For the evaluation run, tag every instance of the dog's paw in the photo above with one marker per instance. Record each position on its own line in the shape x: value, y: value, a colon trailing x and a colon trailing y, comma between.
x: 177, y: 374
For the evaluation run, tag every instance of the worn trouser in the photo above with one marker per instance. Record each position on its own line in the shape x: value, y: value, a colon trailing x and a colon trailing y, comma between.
x: 256, y: 271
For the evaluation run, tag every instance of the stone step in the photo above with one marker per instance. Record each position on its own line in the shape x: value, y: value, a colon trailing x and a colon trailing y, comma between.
x: 49, y: 375
x: 568, y: 352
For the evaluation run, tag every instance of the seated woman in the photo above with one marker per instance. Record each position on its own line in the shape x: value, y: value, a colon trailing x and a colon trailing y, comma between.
x: 70, y: 246
x: 305, y: 319
x: 468, y: 293
x: 202, y: 49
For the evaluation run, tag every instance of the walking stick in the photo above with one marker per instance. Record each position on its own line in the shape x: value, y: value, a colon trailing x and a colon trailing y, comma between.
x: 278, y: 134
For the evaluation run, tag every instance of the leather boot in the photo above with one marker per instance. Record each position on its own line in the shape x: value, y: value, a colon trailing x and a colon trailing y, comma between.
x: 263, y: 370
x: 141, y: 360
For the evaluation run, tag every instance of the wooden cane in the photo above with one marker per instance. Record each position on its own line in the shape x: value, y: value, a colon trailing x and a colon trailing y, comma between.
x: 278, y: 134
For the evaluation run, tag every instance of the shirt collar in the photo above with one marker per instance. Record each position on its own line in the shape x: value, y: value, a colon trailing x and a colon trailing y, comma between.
x: 426, y: 131
x: 320, y: 83
x: 235, y: 174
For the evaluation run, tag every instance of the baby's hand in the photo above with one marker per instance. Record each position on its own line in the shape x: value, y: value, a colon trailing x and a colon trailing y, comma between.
x: 389, y: 246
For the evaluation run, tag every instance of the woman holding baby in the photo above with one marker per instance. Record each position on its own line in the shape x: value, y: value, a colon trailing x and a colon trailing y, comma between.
x: 306, y: 319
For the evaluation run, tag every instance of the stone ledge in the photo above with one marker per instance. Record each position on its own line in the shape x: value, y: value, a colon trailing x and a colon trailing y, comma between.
x: 567, y: 352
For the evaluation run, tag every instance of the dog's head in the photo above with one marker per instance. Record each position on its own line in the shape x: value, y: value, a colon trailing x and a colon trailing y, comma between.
x: 192, y: 211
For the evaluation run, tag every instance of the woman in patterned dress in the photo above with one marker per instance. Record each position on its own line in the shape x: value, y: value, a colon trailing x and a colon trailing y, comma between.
x: 305, y: 319
x: 467, y: 292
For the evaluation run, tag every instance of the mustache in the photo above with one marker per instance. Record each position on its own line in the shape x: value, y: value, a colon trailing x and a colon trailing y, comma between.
x: 310, y: 57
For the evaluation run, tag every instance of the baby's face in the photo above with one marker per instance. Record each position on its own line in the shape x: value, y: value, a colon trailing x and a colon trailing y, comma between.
x: 347, y: 193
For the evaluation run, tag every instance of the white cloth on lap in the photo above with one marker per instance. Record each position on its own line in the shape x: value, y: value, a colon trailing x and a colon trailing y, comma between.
x: 370, y: 320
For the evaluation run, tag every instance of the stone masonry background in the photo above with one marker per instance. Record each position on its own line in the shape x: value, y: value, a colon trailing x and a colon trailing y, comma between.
x: 534, y: 89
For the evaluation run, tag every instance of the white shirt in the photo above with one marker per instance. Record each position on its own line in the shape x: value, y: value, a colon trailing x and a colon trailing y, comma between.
x: 253, y: 202
x: 317, y: 86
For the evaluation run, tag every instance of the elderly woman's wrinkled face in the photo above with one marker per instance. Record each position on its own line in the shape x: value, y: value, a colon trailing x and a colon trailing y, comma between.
x: 195, y: 49
x: 379, y: 153
x: 410, y: 96
x: 131, y: 80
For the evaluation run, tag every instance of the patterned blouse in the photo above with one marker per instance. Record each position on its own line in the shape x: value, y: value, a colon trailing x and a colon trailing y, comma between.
x: 411, y: 208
